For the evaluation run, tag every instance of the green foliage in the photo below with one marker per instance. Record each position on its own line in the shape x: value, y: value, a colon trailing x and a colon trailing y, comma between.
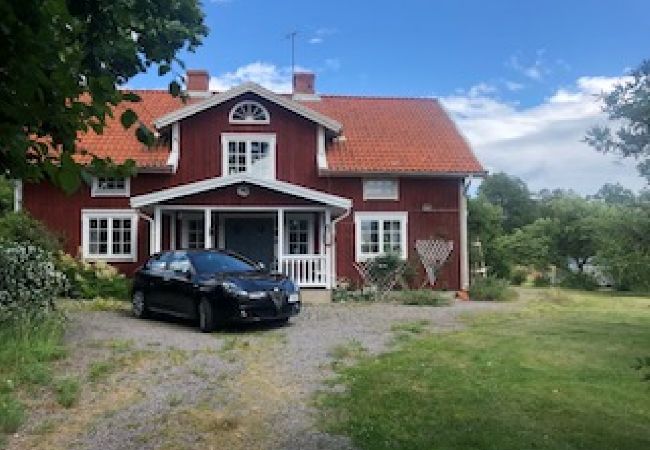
x: 624, y: 247
x: 629, y: 104
x: 531, y: 245
x: 615, y: 194
x: 12, y: 413
x: 491, y: 289
x: 6, y: 195
x: 518, y: 276
x: 513, y: 196
x: 485, y: 224
x: 67, y: 391
x: 60, y: 80
x: 347, y: 295
x: 21, y: 227
x: 579, y: 280
x: 385, y: 266
x: 29, y: 282
x: 93, y: 280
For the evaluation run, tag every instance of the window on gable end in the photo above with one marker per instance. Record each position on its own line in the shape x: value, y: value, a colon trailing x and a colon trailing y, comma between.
x: 249, y: 112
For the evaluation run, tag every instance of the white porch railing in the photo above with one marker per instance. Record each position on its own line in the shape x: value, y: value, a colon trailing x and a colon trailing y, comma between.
x: 306, y: 270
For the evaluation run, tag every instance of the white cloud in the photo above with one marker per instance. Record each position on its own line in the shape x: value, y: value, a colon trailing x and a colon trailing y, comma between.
x: 277, y: 79
x: 535, y: 70
x: 542, y: 143
x: 320, y: 35
x: 316, y: 40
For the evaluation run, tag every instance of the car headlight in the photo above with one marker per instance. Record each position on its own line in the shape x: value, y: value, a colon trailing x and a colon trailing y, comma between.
x: 233, y: 289
x: 294, y: 297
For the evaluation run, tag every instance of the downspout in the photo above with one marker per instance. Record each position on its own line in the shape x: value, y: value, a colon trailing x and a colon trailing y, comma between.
x: 464, y: 248
x: 333, y: 243
x: 151, y: 230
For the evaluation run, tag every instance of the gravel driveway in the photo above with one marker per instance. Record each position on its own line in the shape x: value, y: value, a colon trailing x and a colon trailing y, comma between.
x: 168, y: 386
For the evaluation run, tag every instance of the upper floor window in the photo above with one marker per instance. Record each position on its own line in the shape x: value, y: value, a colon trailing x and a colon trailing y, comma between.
x: 381, y: 189
x: 253, y: 154
x: 111, y: 187
x: 249, y: 112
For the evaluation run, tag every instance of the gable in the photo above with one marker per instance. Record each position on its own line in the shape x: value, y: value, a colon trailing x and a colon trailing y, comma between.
x: 253, y: 88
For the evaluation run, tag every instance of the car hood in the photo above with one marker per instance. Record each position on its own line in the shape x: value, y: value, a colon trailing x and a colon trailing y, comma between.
x: 255, y: 281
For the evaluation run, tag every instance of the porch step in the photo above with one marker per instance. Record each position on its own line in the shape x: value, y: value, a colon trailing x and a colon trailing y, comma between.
x: 315, y: 295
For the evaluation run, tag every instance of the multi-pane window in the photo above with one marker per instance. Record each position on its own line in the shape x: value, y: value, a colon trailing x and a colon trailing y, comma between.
x: 381, y: 189
x: 380, y: 234
x: 110, y: 186
x: 249, y: 112
x: 251, y: 153
x: 299, y: 233
x: 195, y: 237
x: 109, y: 235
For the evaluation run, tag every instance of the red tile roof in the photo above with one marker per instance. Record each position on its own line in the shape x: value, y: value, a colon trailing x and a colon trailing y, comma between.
x: 120, y: 144
x: 382, y: 135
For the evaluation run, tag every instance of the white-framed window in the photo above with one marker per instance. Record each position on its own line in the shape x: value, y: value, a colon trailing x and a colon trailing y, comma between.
x: 381, y: 189
x: 249, y: 112
x: 380, y: 233
x: 299, y: 234
x: 109, y: 235
x: 253, y: 154
x: 193, y: 233
x: 111, y: 187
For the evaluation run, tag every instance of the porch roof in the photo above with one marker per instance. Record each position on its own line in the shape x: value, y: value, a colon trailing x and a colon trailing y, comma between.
x: 197, y: 187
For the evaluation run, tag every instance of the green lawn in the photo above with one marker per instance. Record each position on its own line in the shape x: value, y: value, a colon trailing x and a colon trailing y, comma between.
x: 556, y: 374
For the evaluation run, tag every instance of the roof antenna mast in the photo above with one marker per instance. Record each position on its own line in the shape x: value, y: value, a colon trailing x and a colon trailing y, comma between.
x: 292, y: 36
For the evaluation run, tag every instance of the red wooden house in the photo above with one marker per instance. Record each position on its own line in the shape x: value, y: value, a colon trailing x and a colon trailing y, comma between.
x: 308, y: 184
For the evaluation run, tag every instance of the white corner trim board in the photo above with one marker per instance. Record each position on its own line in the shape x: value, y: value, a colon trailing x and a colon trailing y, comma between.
x: 18, y: 195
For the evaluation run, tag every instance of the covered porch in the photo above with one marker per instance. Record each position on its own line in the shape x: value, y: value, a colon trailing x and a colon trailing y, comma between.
x: 288, y: 228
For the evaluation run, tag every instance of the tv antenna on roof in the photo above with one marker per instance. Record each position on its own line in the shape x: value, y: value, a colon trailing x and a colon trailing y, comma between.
x: 292, y: 36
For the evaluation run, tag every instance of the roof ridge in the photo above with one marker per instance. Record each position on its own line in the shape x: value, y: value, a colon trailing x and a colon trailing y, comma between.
x: 381, y: 97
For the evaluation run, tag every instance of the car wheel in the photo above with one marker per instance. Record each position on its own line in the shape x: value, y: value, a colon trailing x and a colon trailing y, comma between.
x: 206, y: 316
x: 139, y: 305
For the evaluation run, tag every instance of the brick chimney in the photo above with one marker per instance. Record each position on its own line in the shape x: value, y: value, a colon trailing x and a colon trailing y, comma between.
x: 197, y: 81
x: 304, y: 83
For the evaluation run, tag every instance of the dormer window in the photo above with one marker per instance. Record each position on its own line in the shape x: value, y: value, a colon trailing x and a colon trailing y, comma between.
x: 249, y: 112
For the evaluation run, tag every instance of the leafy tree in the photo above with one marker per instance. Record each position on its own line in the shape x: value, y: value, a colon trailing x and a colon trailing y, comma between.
x: 628, y: 102
x: 513, y: 196
x: 624, y: 246
x: 484, y: 224
x: 531, y: 245
x: 615, y: 194
x: 61, y: 65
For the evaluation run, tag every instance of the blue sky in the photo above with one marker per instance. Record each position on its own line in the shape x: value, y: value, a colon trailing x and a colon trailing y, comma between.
x: 519, y: 77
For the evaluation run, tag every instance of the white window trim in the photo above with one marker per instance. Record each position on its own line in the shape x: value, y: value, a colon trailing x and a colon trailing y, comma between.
x: 185, y: 228
x: 248, y: 137
x: 368, y: 196
x: 402, y: 216
x: 232, y: 120
x: 87, y: 214
x: 310, y: 232
x: 95, y: 191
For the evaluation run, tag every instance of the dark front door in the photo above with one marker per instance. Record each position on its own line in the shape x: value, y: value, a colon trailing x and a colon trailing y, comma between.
x: 253, y: 238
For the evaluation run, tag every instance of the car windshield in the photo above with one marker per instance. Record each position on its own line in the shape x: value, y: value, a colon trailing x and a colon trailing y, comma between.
x: 213, y: 262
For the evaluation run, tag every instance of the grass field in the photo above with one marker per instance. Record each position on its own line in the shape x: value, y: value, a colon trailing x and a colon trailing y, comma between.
x: 557, y: 373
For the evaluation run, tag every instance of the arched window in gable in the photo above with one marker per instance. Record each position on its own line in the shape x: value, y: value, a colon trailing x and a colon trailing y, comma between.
x: 249, y: 112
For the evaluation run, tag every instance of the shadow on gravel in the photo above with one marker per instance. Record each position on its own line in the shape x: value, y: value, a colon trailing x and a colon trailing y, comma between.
x: 234, y: 328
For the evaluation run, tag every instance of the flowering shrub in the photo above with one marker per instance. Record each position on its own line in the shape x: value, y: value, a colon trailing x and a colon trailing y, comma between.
x: 93, y: 280
x: 29, y: 281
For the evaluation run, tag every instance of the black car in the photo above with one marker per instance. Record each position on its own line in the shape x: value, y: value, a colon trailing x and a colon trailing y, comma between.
x: 214, y: 287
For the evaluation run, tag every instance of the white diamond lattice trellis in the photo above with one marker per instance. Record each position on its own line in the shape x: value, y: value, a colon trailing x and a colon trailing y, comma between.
x: 433, y: 254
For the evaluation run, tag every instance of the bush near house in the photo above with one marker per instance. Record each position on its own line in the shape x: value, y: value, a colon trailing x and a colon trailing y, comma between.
x: 93, y: 280
x: 491, y: 289
x: 21, y: 227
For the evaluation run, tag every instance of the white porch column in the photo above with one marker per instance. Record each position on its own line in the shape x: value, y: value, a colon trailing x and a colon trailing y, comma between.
x: 207, y: 231
x: 157, y: 233
x: 464, y: 254
x: 280, y: 249
x: 329, y: 244
x: 172, y: 230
